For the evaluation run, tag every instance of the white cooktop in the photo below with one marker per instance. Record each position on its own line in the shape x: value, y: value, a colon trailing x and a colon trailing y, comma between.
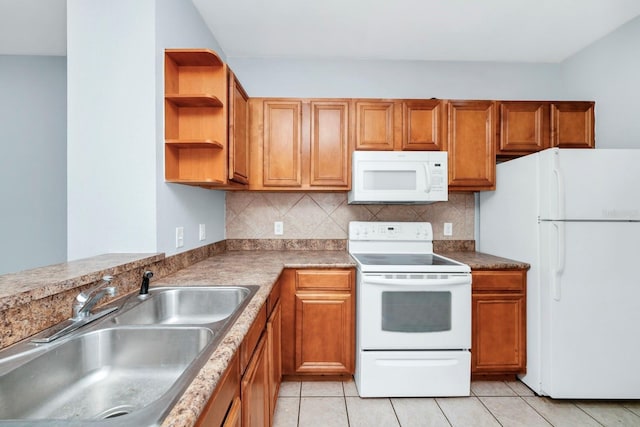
x: 398, y: 247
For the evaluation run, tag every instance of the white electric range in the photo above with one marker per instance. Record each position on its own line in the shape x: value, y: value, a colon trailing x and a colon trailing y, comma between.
x: 413, y: 327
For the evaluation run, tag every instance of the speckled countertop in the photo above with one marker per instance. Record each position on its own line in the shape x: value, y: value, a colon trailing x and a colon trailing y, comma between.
x: 482, y: 261
x: 237, y: 268
x: 25, y: 286
x: 245, y: 267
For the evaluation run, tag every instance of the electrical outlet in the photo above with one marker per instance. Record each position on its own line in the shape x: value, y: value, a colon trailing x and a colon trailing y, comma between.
x: 278, y: 228
x: 179, y: 237
x: 448, y: 229
x: 202, y: 232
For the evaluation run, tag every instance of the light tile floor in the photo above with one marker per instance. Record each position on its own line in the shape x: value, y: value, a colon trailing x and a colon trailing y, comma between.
x: 492, y: 403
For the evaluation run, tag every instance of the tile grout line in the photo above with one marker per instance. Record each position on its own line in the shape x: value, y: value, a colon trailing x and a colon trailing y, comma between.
x: 489, y: 410
x: 346, y: 407
x: 443, y: 413
x: 534, y: 409
x: 393, y: 408
x: 588, y: 414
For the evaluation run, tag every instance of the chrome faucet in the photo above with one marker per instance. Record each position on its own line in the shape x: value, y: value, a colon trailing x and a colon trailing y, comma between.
x: 82, y: 315
x: 86, y: 300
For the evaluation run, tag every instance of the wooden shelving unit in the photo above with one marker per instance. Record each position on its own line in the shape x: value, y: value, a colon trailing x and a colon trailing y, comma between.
x: 196, y: 93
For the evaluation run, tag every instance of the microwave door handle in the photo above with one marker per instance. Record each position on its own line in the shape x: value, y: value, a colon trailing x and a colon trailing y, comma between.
x: 427, y: 175
x: 380, y: 280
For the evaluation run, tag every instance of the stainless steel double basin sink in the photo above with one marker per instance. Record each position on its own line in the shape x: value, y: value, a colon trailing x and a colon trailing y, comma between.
x: 127, y: 369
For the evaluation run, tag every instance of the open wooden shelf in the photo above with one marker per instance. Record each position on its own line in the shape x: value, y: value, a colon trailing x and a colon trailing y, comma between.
x: 196, y: 117
x: 194, y: 100
x: 194, y: 57
x: 194, y: 143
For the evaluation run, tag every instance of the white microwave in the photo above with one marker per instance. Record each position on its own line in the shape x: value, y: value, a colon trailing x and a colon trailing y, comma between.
x: 399, y: 177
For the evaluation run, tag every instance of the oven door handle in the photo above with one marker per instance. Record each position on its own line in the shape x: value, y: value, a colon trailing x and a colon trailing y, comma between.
x: 453, y: 281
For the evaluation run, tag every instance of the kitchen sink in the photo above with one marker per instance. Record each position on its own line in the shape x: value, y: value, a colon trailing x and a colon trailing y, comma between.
x: 193, y: 305
x: 110, y: 373
x: 126, y: 369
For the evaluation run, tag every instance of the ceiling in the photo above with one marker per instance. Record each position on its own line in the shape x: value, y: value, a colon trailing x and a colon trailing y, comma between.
x: 446, y: 30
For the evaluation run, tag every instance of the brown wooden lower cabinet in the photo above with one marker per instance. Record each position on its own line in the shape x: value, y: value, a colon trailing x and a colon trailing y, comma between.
x: 234, y: 416
x: 498, y: 344
x: 220, y: 408
x: 274, y: 355
x: 255, y: 389
x: 318, y: 322
x: 248, y: 390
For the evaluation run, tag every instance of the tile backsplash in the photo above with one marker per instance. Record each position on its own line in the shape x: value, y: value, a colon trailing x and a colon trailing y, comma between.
x: 250, y: 215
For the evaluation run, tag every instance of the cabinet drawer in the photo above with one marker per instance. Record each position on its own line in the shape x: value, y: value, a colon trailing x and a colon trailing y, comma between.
x: 252, y: 337
x: 499, y: 280
x: 324, y: 279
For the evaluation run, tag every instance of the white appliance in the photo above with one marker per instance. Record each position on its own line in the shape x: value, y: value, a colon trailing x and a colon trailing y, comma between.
x: 413, y: 327
x: 399, y: 177
x: 574, y: 215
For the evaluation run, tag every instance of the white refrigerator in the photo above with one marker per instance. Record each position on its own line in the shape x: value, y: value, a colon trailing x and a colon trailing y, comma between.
x: 574, y: 215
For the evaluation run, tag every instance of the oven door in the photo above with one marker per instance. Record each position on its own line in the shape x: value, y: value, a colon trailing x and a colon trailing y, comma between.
x: 414, y: 311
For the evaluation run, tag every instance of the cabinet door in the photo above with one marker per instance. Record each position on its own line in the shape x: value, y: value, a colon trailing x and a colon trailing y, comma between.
x: 525, y: 127
x: 471, y: 130
x: 224, y: 397
x: 375, y: 125
x: 498, y: 334
x: 234, y: 416
x: 238, y: 131
x: 329, y: 144
x: 324, y: 333
x: 422, y: 123
x: 255, y: 389
x: 573, y: 124
x: 274, y: 343
x: 282, y: 144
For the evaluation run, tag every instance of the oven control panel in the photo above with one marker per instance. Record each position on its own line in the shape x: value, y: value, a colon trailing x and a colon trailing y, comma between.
x: 409, y: 231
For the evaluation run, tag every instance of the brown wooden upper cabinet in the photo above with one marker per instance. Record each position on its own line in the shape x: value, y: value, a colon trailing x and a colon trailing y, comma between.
x: 572, y: 124
x: 197, y: 103
x: 329, y: 144
x: 422, y: 125
x: 525, y: 127
x: 300, y: 144
x: 470, y: 142
x: 282, y: 144
x: 375, y: 124
x: 238, y: 131
x: 414, y: 124
x: 530, y: 126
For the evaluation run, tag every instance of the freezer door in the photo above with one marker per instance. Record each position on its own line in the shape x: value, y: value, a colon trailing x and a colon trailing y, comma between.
x: 590, y: 310
x: 583, y: 184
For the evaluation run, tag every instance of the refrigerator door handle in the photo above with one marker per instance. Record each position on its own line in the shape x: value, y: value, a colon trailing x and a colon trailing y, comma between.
x: 559, y: 188
x: 560, y: 260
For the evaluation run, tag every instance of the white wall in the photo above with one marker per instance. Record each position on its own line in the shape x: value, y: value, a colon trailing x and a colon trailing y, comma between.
x: 178, y: 24
x: 607, y: 71
x: 117, y: 198
x: 111, y: 127
x: 33, y: 111
x: 397, y: 79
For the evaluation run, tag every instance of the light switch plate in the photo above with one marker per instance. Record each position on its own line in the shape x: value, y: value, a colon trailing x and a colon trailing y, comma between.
x: 448, y: 229
x: 278, y: 228
x: 179, y: 237
x: 202, y: 232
